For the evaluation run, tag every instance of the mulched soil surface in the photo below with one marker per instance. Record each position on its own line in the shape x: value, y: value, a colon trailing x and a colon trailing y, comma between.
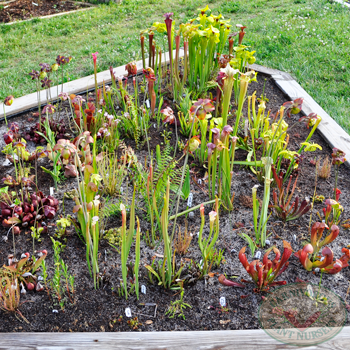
x: 26, y: 9
x: 99, y: 310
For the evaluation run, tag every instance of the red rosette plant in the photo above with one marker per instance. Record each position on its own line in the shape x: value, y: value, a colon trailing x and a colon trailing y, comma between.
x: 264, y: 273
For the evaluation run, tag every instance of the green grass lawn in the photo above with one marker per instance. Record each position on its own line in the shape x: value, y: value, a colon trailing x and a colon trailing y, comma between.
x: 308, y: 38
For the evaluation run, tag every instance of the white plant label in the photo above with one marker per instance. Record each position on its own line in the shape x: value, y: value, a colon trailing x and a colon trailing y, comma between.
x: 189, y: 200
x: 51, y: 191
x: 258, y: 255
x: 223, y: 301
x: 127, y: 312
x: 294, y: 238
x: 310, y: 291
x: 148, y: 104
x: 155, y: 126
x: 143, y: 289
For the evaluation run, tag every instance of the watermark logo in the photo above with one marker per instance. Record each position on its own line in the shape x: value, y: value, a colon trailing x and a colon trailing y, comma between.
x: 302, y: 314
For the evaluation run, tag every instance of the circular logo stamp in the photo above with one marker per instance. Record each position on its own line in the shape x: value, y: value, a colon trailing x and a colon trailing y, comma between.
x: 302, y: 314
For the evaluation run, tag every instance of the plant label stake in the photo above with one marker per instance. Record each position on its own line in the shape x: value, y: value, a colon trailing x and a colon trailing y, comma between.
x: 257, y: 255
x: 143, y: 289
x: 155, y: 126
x: 310, y: 291
x: 148, y: 104
x: 223, y: 301
x: 51, y: 191
x: 127, y: 312
x: 189, y: 200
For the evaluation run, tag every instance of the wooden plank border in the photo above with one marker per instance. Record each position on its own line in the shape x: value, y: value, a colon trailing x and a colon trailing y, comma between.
x: 200, y: 340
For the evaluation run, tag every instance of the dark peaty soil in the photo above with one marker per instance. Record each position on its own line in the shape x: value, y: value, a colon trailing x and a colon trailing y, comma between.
x: 99, y: 310
x: 26, y: 9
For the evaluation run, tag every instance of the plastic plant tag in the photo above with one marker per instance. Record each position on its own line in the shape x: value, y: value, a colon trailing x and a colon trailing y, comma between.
x: 155, y: 126
x: 51, y: 191
x: 294, y: 238
x: 257, y: 255
x: 143, y: 289
x: 128, y: 312
x: 223, y: 301
x: 148, y: 104
x: 189, y: 200
x: 309, y: 291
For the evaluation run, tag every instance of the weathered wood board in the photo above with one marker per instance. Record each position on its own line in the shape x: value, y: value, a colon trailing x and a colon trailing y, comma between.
x: 208, y: 340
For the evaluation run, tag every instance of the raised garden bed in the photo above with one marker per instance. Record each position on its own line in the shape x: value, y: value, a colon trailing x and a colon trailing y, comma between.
x: 21, y: 10
x: 103, y: 309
